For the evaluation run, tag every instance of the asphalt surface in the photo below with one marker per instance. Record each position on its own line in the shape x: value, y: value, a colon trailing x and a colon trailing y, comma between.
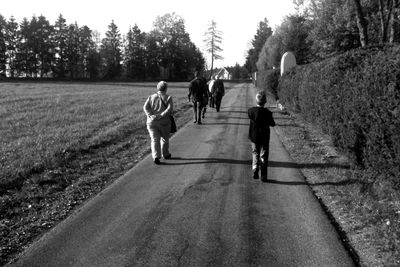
x: 201, y: 208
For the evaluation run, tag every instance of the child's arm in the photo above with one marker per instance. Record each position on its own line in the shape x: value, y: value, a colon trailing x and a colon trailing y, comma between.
x: 271, y: 121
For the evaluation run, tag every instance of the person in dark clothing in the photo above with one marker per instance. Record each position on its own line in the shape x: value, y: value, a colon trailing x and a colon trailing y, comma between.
x: 219, y: 92
x: 260, y: 120
x: 204, y: 102
x: 197, y: 92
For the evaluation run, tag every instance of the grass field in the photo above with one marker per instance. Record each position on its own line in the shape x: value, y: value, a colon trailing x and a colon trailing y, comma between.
x: 61, y: 143
x: 42, y: 123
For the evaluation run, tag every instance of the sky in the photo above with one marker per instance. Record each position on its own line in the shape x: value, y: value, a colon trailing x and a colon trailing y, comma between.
x: 237, y: 20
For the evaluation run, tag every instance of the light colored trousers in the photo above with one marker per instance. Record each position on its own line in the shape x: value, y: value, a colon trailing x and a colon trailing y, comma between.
x: 260, y: 153
x: 159, y: 134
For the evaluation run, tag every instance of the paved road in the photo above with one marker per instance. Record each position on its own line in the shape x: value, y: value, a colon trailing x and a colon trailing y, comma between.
x: 202, y: 208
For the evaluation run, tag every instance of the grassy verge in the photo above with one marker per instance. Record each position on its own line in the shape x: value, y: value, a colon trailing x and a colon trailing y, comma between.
x: 366, y: 215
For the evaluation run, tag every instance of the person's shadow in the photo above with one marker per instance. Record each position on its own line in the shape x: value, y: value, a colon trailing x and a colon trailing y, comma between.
x: 271, y: 164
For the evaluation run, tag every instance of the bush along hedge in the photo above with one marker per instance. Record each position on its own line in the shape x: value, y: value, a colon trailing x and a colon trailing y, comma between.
x: 269, y: 80
x: 355, y: 97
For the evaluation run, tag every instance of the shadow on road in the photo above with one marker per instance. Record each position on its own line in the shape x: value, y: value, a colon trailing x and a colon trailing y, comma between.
x: 306, y: 165
x: 225, y: 123
x: 288, y: 125
x: 232, y: 111
x: 189, y: 161
x: 339, y: 183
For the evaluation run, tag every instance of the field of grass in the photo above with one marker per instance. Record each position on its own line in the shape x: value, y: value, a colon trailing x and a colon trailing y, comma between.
x: 42, y: 123
x: 61, y: 143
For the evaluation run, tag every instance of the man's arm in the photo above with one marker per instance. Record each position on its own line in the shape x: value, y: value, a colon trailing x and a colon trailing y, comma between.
x: 190, y: 90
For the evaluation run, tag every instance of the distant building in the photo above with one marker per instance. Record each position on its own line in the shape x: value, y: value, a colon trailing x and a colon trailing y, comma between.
x: 221, y: 73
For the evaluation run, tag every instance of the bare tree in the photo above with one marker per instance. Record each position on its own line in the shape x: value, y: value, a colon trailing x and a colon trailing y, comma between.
x: 213, y: 41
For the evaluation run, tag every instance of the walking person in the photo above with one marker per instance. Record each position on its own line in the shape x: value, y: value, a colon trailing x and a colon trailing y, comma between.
x: 204, y: 102
x: 211, y: 92
x: 158, y: 108
x: 219, y: 92
x: 197, y: 90
x: 260, y: 120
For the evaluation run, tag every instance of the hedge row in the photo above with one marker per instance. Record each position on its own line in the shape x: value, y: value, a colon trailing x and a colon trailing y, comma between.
x: 355, y: 97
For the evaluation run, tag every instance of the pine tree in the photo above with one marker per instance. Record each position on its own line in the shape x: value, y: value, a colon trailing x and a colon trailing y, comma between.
x: 45, y: 52
x: 24, y: 62
x: 111, y: 52
x: 85, y: 49
x: 12, y: 44
x: 263, y: 33
x: 60, y: 38
x: 3, y: 46
x: 135, y: 54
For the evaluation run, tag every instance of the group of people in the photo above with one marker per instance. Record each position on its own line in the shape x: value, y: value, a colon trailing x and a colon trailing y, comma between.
x: 159, y: 106
x: 203, y: 93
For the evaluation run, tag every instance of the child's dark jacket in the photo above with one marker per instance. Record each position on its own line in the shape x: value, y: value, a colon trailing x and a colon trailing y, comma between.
x: 260, y: 120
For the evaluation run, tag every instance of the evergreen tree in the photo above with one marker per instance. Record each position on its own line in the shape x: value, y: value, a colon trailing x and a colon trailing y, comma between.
x: 60, y: 44
x: 111, y: 52
x: 41, y: 46
x: 12, y: 44
x: 263, y: 32
x: 3, y: 46
x: 86, y: 48
x: 152, y: 56
x: 24, y: 58
x: 72, y: 51
x: 213, y: 40
x: 135, y: 54
x: 42, y: 38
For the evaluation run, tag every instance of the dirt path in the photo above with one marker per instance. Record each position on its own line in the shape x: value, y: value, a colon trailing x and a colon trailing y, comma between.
x: 202, y: 208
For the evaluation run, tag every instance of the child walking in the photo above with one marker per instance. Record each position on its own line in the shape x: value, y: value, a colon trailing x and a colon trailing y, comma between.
x: 260, y: 121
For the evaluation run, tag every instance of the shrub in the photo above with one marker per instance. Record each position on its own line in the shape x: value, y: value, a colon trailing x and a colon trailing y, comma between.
x: 355, y: 97
x: 269, y: 80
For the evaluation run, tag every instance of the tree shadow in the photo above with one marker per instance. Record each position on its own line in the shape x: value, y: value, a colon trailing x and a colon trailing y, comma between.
x: 233, y: 117
x: 189, y: 161
x: 282, y: 164
x: 287, y: 125
x: 232, y: 111
x: 224, y: 123
x: 338, y: 183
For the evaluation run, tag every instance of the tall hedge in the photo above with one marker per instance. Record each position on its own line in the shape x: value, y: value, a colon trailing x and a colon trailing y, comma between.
x: 355, y: 97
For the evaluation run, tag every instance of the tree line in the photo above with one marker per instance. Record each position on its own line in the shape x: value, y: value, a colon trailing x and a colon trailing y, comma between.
x: 323, y: 28
x: 35, y: 48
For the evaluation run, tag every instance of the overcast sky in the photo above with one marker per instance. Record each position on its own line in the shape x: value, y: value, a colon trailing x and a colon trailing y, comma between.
x: 238, y: 20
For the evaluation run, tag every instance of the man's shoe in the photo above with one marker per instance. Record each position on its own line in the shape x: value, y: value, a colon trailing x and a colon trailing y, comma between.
x: 199, y: 122
x: 255, y: 175
x: 168, y: 157
x: 157, y: 161
x: 195, y: 121
x: 264, y: 179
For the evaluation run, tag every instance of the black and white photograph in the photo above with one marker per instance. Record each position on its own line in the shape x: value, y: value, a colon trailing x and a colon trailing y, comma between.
x: 200, y: 133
